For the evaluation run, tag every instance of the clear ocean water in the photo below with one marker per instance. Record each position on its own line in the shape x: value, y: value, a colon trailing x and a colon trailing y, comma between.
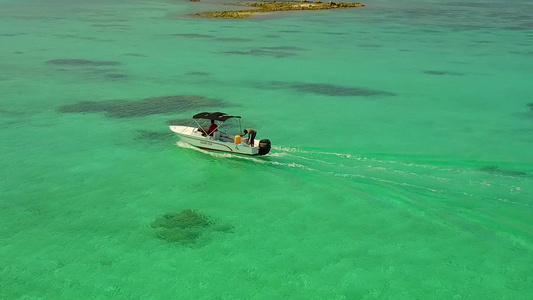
x: 402, y: 165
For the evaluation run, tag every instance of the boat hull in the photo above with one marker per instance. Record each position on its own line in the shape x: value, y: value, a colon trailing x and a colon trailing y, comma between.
x: 225, y: 143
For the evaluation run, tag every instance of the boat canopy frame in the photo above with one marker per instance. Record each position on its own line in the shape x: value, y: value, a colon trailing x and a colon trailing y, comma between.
x: 217, y: 116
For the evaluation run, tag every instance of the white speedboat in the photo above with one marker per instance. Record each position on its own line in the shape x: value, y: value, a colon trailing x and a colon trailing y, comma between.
x: 220, y: 139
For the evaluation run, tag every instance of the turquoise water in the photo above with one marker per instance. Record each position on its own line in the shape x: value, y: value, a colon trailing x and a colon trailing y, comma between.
x: 402, y: 165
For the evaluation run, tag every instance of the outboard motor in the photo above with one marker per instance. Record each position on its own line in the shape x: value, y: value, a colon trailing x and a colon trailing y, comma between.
x: 264, y: 147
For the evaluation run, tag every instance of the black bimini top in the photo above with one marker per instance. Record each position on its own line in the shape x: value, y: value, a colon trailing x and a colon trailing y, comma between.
x: 217, y: 116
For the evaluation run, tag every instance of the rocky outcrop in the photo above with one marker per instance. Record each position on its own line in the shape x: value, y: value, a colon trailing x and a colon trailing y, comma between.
x: 263, y: 7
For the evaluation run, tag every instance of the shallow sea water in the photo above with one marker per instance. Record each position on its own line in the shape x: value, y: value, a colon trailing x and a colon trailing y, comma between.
x: 402, y: 165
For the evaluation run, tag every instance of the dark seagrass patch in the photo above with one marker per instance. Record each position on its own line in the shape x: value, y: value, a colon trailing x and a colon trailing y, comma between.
x: 445, y: 73
x: 143, y: 107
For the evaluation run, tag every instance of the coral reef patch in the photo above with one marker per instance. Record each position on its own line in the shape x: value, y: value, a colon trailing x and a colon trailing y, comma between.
x: 185, y: 227
x: 143, y: 107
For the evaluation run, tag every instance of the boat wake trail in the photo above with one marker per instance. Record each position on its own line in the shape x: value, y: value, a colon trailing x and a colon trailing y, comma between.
x: 419, y: 177
x: 394, y: 173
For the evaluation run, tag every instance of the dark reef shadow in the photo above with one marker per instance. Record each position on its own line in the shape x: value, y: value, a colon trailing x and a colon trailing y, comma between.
x: 324, y: 89
x: 135, y: 55
x: 445, y: 73
x: 90, y: 68
x: 177, y: 122
x: 194, y: 35
x: 155, y: 136
x: 116, y: 76
x: 371, y: 46
x: 278, y: 52
x: 232, y: 39
x: 525, y: 53
x: 499, y: 171
x: 334, y: 33
x: 209, y: 36
x: 11, y: 34
x: 83, y: 63
x: 197, y: 73
x: 112, y: 26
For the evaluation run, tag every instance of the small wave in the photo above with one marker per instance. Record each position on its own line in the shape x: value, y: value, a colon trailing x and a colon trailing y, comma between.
x: 278, y: 154
x: 298, y: 150
x: 295, y: 152
x: 386, y: 181
x: 185, y: 145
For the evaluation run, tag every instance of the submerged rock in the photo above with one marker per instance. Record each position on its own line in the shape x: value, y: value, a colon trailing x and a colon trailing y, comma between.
x: 185, y: 227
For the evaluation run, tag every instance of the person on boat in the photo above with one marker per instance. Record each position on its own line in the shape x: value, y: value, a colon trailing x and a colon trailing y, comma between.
x: 212, y: 128
x: 251, y: 136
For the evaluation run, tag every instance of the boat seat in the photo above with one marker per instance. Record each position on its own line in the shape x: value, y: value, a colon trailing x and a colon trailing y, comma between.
x: 203, y: 130
x: 216, y: 135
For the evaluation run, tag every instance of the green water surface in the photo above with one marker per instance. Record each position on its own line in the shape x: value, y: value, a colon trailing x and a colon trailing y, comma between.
x: 402, y: 161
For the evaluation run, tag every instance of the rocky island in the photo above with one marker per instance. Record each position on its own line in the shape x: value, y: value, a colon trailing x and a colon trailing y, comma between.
x: 264, y: 7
